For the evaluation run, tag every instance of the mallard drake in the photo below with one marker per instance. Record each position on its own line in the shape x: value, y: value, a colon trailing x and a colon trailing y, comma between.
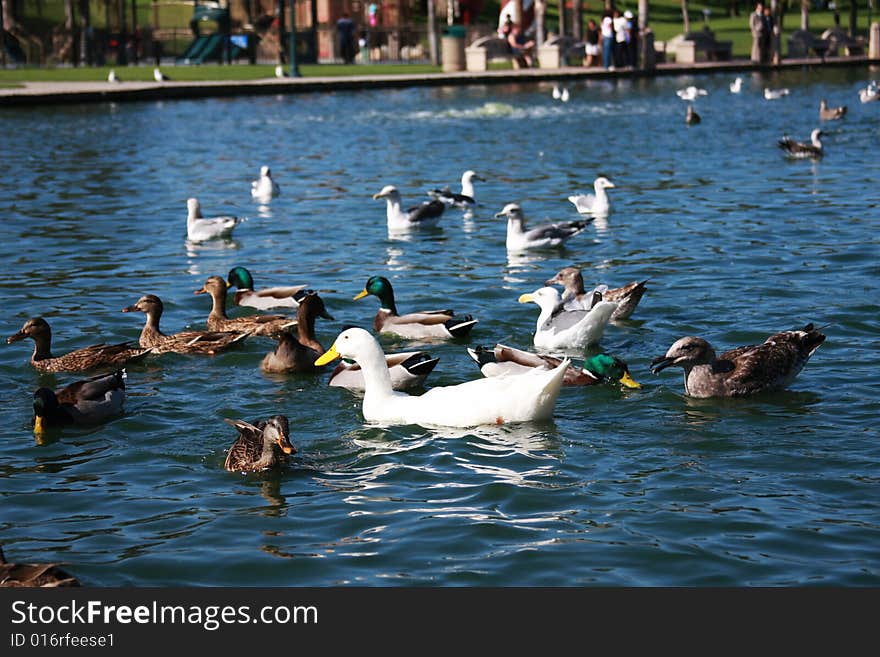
x: 466, y: 199
x: 596, y: 204
x: 87, y: 358
x: 298, y: 354
x: 558, y: 328
x: 270, y: 325
x: 830, y: 113
x: 265, y: 299
x: 259, y: 446
x: 504, y: 361
x: 548, y: 235
x: 424, y: 214
x: 802, y: 150
x: 523, y: 398
x: 691, y: 117
x: 575, y: 298
x: 185, y: 342
x: 265, y: 187
x: 407, y: 370
x: 84, y: 402
x: 44, y: 575
x: 424, y: 324
x: 199, y: 229
x: 772, y: 365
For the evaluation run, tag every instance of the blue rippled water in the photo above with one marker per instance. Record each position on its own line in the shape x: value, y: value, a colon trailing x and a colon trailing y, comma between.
x: 642, y: 487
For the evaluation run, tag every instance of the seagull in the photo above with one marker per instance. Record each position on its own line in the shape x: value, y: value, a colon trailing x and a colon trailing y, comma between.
x: 557, y: 92
x: 518, y: 238
x: 692, y: 118
x: 265, y: 188
x: 774, y: 94
x: 199, y: 228
x: 830, y: 113
x: 803, y: 150
x: 736, y: 86
x: 772, y: 365
x: 869, y: 93
x: 280, y: 72
x: 565, y: 95
x: 112, y: 77
x: 463, y: 200
x: 424, y: 214
x: 691, y: 93
x: 557, y: 328
x: 598, y: 204
x: 159, y: 76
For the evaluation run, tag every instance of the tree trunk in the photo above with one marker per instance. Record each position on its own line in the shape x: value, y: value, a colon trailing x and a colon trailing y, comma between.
x: 805, y: 15
x: 432, y: 34
x: 85, y: 29
x: 562, y: 27
x: 577, y: 19
x: 643, y: 14
x: 540, y: 9
x: 853, y: 18
x: 684, y: 16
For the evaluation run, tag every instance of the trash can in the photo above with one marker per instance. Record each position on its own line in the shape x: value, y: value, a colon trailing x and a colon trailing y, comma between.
x: 452, y: 48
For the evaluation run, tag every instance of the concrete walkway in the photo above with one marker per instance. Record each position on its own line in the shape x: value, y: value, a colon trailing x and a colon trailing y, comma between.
x: 53, y: 93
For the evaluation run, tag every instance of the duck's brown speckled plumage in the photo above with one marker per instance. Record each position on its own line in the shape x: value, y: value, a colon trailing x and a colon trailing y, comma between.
x: 298, y: 354
x: 95, y: 356
x: 185, y: 342
x: 627, y: 296
x: 259, y: 446
x: 772, y: 365
x: 266, y: 325
x: 44, y: 575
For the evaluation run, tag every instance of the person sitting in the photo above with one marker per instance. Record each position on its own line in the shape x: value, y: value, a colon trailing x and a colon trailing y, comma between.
x: 521, y: 47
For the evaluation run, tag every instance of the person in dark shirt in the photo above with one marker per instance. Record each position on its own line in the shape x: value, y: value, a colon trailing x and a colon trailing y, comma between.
x: 345, y: 30
x: 591, y: 49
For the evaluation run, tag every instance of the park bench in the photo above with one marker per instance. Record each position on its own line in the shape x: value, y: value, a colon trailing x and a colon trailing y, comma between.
x: 694, y: 46
x: 487, y: 49
x: 840, y: 42
x: 801, y: 42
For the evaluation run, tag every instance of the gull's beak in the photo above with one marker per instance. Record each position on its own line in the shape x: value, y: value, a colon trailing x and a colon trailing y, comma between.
x: 525, y: 298
x: 330, y: 355
x: 361, y: 294
x: 610, y: 184
x: 498, y: 215
x: 378, y: 195
x: 661, y: 363
x: 629, y: 382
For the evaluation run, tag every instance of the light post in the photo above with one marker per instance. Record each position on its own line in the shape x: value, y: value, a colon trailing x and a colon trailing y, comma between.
x: 294, y: 69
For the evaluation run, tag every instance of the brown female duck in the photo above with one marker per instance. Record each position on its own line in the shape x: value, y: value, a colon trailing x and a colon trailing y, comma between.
x: 259, y: 447
x: 298, y: 354
x: 99, y: 355
x: 270, y: 325
x: 185, y: 342
x: 46, y: 575
x: 627, y: 297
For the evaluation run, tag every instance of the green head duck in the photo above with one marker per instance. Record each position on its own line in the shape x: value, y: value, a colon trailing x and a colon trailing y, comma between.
x: 610, y: 368
x: 380, y: 287
x: 241, y: 278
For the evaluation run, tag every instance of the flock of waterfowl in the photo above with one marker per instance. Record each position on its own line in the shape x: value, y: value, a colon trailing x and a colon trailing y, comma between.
x: 796, y: 149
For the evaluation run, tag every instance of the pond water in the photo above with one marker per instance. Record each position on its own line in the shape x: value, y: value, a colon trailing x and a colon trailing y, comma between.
x: 635, y: 487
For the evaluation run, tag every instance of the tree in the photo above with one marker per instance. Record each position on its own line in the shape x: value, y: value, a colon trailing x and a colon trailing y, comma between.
x: 684, y: 16
x: 853, y: 17
x: 805, y: 15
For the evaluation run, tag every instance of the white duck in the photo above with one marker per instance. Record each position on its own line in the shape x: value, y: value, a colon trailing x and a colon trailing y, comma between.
x: 519, y: 238
x: 736, y: 86
x: 558, y: 328
x: 199, y: 228
x: 427, y: 213
x: 775, y: 94
x: 496, y: 400
x: 690, y: 93
x: 265, y: 187
x: 598, y: 204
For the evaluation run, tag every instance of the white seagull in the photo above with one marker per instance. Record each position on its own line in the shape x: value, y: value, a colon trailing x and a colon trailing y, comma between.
x: 558, y: 328
x: 424, y: 214
x: 265, y: 188
x: 199, y: 228
x: 801, y: 150
x: 598, y: 204
x: 520, y: 238
x: 112, y: 77
x: 463, y: 200
x: 691, y: 93
x: 870, y: 93
x: 280, y: 72
x: 736, y: 86
x: 159, y: 76
x: 774, y: 94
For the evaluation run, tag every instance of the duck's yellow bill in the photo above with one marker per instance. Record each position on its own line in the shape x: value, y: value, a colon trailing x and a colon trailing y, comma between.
x: 361, y: 294
x: 525, y: 298
x: 38, y: 425
x: 285, y: 445
x: 629, y: 382
x: 330, y: 355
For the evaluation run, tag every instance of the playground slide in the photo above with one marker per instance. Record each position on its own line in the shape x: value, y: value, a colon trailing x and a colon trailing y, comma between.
x: 202, y: 48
